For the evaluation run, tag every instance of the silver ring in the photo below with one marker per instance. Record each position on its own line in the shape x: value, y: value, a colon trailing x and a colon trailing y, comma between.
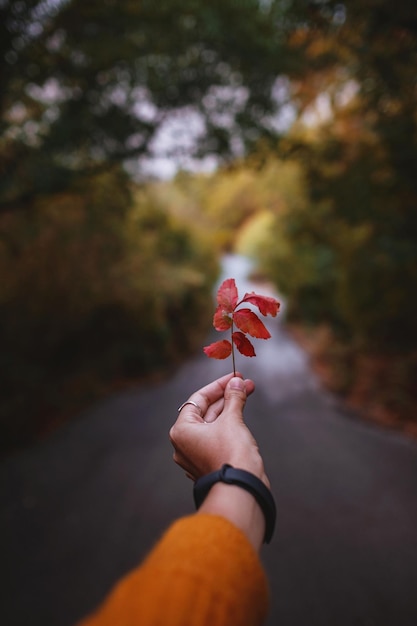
x: 193, y: 403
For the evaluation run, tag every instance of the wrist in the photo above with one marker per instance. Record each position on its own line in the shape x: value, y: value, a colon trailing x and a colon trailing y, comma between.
x: 245, y: 481
x: 253, y: 466
x: 239, y: 507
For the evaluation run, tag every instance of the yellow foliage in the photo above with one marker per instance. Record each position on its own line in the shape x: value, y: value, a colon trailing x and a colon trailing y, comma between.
x: 256, y: 233
x: 94, y: 289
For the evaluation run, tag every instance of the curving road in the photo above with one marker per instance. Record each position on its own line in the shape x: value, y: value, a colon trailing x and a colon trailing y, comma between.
x: 82, y: 507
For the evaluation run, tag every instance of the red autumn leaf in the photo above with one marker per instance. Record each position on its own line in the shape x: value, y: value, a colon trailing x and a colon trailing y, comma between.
x: 227, y: 316
x: 221, y: 320
x: 266, y: 304
x: 248, y: 322
x: 219, y: 349
x: 227, y: 295
x: 243, y: 344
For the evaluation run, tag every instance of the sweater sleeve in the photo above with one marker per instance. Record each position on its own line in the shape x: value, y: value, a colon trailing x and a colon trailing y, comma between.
x: 203, y: 572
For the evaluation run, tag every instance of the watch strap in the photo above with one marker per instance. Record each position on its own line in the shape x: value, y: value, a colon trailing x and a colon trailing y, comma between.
x: 251, y: 483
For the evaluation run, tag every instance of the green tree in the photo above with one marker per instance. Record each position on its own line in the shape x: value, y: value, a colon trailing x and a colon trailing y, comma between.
x: 87, y: 84
x: 94, y: 290
x: 360, y: 165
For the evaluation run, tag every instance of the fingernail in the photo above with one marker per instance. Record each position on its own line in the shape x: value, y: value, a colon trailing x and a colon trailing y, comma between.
x: 237, y: 383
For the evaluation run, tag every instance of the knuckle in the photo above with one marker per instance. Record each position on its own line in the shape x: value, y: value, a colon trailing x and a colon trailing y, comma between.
x: 172, y: 432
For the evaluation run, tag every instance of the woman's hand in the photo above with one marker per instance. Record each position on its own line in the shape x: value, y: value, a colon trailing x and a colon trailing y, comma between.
x: 213, y: 433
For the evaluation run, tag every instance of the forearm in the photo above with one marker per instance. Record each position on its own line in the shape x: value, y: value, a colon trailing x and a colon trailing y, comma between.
x: 239, y: 507
x: 203, y: 572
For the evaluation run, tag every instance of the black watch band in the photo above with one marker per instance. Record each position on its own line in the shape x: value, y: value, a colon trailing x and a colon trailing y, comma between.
x: 232, y: 476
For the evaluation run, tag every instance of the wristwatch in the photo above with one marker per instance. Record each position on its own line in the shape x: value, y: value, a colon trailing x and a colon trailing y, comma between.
x: 251, y: 483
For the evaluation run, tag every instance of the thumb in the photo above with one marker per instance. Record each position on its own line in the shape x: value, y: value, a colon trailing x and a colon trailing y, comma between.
x: 235, y: 396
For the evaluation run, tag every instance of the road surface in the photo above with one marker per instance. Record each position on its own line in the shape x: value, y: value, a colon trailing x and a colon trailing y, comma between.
x: 83, y: 507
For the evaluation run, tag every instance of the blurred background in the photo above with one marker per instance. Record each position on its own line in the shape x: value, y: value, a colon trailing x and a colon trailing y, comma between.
x: 142, y: 141
x: 148, y: 150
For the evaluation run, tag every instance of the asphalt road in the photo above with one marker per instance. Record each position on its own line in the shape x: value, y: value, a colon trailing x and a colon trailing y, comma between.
x: 81, y: 508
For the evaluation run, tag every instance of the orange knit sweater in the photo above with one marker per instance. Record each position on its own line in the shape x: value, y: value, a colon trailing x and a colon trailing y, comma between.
x: 203, y: 572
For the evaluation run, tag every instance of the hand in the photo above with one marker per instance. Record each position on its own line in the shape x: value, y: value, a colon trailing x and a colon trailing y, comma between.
x: 214, y: 433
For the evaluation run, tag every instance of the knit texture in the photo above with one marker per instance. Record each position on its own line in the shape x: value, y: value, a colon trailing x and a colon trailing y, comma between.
x: 203, y: 572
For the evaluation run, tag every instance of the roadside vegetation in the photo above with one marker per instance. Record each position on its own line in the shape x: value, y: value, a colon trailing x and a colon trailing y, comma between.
x: 343, y: 268
x: 105, y: 277
x: 101, y: 286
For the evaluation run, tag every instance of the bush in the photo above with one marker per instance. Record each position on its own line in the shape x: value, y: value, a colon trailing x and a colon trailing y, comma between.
x: 95, y: 289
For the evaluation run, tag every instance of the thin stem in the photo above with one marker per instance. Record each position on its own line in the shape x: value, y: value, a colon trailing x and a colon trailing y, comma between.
x: 233, y: 349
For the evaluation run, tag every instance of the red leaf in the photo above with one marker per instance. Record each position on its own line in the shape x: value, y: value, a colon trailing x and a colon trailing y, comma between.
x: 227, y: 295
x: 266, y: 304
x: 243, y: 344
x: 221, y: 319
x: 219, y: 349
x: 249, y: 322
x: 228, y: 313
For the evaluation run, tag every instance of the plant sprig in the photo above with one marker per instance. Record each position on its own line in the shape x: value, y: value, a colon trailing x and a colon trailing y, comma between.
x: 229, y: 316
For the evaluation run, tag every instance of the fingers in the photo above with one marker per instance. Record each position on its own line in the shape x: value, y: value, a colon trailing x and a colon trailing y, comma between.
x: 210, y: 400
x: 202, y: 443
x: 217, y: 407
x: 235, y: 396
x: 211, y: 393
x: 250, y: 386
x: 214, y: 411
x: 205, y: 398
